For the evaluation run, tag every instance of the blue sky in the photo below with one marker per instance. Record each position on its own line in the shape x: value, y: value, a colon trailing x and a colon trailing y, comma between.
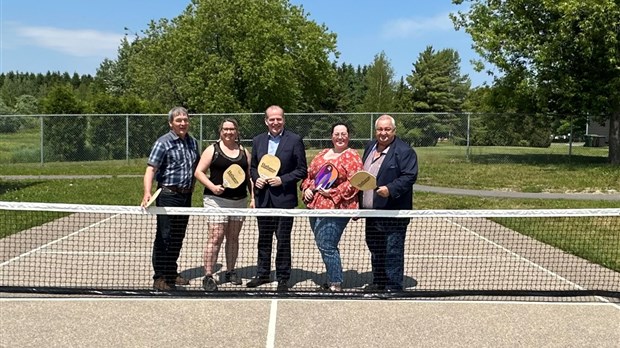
x: 76, y: 35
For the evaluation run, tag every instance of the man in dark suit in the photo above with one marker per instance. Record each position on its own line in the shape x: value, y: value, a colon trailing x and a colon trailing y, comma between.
x: 395, y: 165
x: 278, y: 192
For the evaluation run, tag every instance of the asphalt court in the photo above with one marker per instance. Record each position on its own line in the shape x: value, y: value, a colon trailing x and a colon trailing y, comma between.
x: 440, y: 254
x: 88, y: 322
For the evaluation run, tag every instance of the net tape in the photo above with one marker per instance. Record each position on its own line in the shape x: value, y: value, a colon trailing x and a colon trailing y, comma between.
x: 136, y: 210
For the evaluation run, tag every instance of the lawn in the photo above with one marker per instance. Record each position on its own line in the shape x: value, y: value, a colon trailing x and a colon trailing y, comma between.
x: 20, y: 147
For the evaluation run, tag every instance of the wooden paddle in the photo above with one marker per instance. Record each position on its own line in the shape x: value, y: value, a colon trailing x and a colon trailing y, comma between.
x: 363, y: 181
x: 153, y: 198
x: 234, y: 176
x: 268, y: 166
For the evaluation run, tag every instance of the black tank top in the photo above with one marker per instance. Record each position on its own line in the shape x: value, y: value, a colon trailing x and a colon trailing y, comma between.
x: 219, y: 163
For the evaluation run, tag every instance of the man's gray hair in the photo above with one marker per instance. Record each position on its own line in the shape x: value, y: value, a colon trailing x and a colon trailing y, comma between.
x: 176, y: 111
x: 382, y: 117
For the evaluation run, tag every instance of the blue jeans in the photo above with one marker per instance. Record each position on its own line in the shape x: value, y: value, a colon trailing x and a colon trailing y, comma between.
x: 385, y: 238
x: 327, y: 233
x: 170, y: 234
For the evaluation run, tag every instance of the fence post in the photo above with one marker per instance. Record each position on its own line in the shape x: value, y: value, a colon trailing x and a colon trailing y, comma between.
x: 468, y: 131
x: 41, y: 140
x: 570, y: 140
x: 127, y: 137
x: 200, y: 137
x: 372, y: 116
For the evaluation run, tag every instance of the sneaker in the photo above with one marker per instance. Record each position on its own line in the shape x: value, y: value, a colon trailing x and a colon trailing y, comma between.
x: 181, y: 281
x: 373, y: 288
x: 233, y: 278
x: 160, y: 285
x: 330, y: 287
x: 257, y: 281
x: 208, y: 283
x: 335, y: 287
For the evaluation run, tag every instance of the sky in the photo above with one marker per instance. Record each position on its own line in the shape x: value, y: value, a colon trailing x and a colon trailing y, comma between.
x: 75, y: 36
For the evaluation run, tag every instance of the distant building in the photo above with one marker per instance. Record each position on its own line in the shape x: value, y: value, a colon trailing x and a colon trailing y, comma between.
x: 601, y: 129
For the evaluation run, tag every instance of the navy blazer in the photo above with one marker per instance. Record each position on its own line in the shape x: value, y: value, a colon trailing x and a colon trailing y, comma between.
x: 293, y: 168
x: 398, y: 172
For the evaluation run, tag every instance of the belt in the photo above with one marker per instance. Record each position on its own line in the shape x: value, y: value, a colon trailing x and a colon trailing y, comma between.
x: 177, y: 189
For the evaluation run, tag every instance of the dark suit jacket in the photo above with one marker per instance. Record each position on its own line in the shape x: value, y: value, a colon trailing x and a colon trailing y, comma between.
x: 398, y: 172
x: 292, y: 155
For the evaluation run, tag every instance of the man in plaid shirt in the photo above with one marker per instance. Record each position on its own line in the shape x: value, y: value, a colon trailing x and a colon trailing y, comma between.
x: 172, y: 163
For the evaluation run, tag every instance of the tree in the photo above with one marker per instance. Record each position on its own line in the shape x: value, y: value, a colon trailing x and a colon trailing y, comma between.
x: 65, y: 135
x: 234, y: 56
x: 112, y: 76
x: 105, y: 132
x: 436, y: 86
x: 7, y: 124
x: 568, y: 49
x: 436, y: 82
x: 26, y: 105
x: 380, y: 86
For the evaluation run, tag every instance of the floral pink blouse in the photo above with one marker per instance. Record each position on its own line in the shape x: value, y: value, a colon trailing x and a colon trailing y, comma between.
x: 343, y: 195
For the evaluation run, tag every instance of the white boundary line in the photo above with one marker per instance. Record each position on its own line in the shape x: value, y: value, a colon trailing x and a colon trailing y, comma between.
x: 73, y: 298
x: 55, y: 241
x: 531, y: 263
x: 271, y: 329
x: 273, y: 307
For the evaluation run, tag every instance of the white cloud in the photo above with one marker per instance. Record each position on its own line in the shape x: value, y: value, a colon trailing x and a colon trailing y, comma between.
x: 76, y: 42
x: 416, y: 27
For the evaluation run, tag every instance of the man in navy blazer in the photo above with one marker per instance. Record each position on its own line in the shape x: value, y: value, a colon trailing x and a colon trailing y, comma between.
x: 395, y: 165
x: 278, y: 192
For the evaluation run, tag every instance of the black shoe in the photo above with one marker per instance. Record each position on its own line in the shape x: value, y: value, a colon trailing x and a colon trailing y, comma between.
x: 282, y: 285
x: 373, y: 288
x: 160, y: 284
x: 257, y: 281
x: 208, y: 283
x: 233, y: 278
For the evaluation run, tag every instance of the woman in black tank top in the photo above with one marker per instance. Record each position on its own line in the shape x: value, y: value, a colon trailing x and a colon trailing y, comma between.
x: 216, y: 159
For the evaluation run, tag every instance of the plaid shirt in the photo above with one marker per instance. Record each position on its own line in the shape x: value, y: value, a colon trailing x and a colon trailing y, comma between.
x: 175, y: 160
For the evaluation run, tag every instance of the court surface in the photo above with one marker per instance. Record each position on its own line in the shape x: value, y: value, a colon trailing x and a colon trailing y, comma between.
x: 93, y: 322
x: 450, y: 254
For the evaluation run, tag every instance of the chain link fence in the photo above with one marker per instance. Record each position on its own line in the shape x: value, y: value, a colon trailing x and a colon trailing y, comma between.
x: 94, y: 137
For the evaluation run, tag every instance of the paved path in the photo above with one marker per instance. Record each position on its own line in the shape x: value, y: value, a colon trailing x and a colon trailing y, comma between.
x: 419, y: 188
x: 509, y: 194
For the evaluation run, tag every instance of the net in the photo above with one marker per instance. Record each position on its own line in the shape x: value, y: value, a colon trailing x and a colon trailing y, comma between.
x: 65, y: 248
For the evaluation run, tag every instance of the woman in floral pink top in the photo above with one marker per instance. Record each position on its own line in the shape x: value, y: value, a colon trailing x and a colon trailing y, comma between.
x: 332, y: 191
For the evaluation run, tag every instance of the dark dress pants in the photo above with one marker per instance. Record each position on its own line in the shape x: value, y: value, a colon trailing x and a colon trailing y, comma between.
x: 281, y: 227
x: 385, y: 238
x: 170, y: 234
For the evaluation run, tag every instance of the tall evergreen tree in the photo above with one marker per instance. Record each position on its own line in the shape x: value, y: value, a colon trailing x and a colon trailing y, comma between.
x: 436, y: 81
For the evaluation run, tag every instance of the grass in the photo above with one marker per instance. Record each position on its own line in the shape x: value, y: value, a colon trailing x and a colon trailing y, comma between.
x: 568, y: 234
x: 20, y: 147
x: 519, y: 169
x: 507, y: 169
